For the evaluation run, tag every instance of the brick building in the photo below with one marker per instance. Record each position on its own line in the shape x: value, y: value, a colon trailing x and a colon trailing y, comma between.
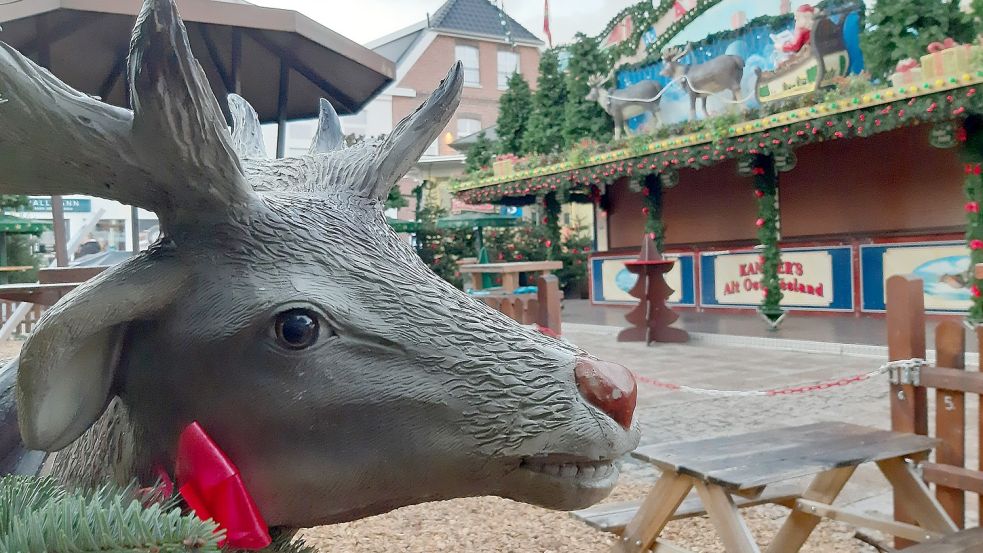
x: 489, y: 43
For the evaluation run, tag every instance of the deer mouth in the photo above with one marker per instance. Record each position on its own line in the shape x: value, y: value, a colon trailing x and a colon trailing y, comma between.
x: 571, y: 468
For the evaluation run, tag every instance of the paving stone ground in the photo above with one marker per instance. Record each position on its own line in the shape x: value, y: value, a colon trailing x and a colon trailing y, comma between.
x: 670, y: 416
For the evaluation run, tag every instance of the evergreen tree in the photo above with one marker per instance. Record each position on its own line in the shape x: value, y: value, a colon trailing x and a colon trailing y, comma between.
x: 19, y: 247
x: 479, y: 155
x: 902, y: 29
x: 584, y: 118
x: 514, y: 109
x: 396, y: 199
x: 545, y: 132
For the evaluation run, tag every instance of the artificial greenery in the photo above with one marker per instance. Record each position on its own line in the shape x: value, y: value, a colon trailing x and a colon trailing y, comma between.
x: 551, y: 219
x: 545, y: 131
x: 780, y: 133
x: 37, y: 515
x: 766, y: 190
x: 584, y: 118
x: 973, y: 157
x: 901, y: 29
x: 655, y: 228
x: 514, y: 109
x: 479, y: 155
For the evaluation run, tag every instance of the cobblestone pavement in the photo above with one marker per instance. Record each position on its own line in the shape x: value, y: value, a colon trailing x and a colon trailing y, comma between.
x: 669, y: 416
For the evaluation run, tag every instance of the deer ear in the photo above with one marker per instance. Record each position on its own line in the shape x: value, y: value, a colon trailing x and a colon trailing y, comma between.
x: 68, y: 368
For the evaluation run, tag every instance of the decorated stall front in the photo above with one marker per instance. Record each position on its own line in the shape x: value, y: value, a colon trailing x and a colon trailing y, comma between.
x: 776, y: 171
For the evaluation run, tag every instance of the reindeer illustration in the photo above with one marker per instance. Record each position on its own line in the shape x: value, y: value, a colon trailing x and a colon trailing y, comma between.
x: 281, y: 312
x: 623, y: 104
x: 701, y: 80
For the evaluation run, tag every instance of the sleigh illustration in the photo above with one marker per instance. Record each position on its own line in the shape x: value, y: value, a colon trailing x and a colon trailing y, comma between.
x: 822, y: 59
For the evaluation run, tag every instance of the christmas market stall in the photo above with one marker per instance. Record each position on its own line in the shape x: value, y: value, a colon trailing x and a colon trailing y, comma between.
x: 792, y: 163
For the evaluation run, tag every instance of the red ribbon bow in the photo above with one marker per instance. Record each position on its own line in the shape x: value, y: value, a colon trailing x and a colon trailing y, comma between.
x: 211, y: 485
x: 906, y: 65
x: 937, y: 47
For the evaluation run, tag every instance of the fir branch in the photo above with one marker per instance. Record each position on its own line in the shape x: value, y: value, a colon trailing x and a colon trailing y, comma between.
x: 39, y: 516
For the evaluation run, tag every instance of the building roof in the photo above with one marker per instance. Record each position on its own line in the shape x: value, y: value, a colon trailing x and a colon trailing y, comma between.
x: 479, y: 18
x: 464, y: 143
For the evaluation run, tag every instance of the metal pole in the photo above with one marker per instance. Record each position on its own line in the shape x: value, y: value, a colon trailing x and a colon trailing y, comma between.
x: 135, y: 228
x: 281, y: 123
x: 236, y: 61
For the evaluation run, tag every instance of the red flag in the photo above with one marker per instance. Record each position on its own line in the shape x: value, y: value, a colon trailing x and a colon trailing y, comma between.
x: 546, y: 21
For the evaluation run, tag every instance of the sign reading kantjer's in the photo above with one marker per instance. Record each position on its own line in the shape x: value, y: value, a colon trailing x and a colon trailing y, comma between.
x: 808, y: 278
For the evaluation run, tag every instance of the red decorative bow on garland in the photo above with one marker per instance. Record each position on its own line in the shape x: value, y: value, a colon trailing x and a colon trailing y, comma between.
x: 211, y: 485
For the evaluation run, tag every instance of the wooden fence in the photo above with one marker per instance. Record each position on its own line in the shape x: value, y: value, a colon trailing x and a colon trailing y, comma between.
x: 950, y: 382
x: 543, y: 308
x: 7, y: 309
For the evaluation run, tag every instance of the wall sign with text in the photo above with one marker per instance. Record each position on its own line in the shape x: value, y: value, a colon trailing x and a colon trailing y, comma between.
x: 811, y: 278
x: 611, y: 281
x: 944, y: 268
x: 70, y: 205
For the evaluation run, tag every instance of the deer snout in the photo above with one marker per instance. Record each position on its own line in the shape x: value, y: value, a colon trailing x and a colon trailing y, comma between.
x: 609, y: 387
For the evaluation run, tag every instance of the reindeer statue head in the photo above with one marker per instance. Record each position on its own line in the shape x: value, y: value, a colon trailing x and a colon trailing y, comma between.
x: 281, y: 312
x: 670, y: 59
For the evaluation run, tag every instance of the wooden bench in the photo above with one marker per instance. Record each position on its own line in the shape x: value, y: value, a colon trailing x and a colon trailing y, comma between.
x: 967, y: 541
x: 614, y: 517
x: 724, y: 470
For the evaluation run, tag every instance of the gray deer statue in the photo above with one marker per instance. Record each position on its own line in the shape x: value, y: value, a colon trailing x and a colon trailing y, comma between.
x: 703, y: 79
x: 282, y: 313
x: 623, y: 104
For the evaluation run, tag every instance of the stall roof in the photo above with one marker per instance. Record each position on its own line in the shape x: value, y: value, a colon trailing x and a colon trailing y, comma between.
x: 87, y: 43
x: 868, y: 114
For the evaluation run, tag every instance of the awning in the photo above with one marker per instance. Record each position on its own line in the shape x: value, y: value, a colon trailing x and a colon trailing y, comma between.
x: 478, y: 220
x: 15, y: 225
x: 240, y: 46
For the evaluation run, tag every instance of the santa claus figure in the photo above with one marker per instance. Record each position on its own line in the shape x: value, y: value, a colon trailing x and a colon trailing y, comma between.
x: 805, y: 16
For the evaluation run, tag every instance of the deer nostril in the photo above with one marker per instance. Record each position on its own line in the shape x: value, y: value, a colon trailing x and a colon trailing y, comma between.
x: 609, y: 387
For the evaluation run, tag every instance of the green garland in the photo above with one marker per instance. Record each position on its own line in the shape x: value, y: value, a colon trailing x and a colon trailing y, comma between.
x: 973, y: 156
x: 551, y: 208
x: 766, y: 190
x: 654, y: 225
x: 948, y: 105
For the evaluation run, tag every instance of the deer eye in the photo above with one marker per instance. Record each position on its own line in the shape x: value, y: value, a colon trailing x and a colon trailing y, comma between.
x: 297, y: 328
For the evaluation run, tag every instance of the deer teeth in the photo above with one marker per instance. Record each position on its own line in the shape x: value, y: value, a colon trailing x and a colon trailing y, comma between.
x: 584, y: 470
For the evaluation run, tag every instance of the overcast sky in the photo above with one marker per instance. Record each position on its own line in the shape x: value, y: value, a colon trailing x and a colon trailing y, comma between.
x: 365, y: 20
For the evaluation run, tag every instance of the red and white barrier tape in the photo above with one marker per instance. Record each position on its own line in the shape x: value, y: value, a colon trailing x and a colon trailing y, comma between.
x: 907, y: 365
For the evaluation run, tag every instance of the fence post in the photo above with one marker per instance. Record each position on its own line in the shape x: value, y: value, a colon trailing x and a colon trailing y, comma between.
x: 950, y: 416
x: 549, y: 302
x: 906, y: 340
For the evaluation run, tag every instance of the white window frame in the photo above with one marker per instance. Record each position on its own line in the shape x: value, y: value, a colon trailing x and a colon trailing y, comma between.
x: 504, y: 73
x: 472, y: 74
x: 477, y: 125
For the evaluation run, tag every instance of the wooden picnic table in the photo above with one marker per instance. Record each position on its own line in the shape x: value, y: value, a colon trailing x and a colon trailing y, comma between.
x: 733, y: 471
x: 509, y: 271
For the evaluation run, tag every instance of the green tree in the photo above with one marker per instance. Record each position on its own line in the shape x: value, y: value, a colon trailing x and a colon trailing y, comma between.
x: 19, y: 247
x: 479, y: 155
x: 584, y: 118
x: 514, y: 108
x: 901, y: 29
x: 396, y: 199
x: 545, y: 132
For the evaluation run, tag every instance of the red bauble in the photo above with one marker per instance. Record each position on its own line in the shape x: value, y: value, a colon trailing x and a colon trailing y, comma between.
x: 976, y: 244
x: 645, y: 211
x: 973, y: 207
x: 759, y: 223
x: 759, y: 194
